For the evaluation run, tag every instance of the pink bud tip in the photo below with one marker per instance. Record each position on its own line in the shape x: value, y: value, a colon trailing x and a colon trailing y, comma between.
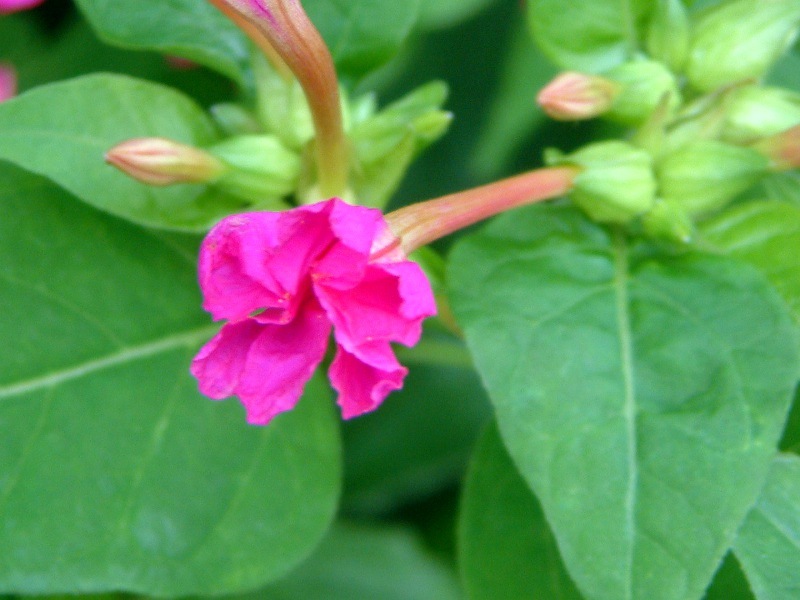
x: 783, y: 149
x: 159, y: 161
x: 575, y: 96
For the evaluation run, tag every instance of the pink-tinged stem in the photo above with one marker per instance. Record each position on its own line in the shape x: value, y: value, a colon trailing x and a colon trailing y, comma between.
x: 291, y: 33
x: 252, y: 32
x: 422, y: 223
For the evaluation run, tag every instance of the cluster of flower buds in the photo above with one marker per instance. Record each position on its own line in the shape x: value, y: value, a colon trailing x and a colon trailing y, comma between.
x: 685, y: 159
x: 300, y: 139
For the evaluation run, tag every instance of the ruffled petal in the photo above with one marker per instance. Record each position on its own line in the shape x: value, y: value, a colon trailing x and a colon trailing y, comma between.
x: 260, y: 262
x: 363, y: 386
x: 388, y: 304
x: 229, y: 292
x: 353, y: 228
x: 265, y: 365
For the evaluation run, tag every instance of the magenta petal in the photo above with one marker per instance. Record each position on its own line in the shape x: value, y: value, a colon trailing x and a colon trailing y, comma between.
x: 219, y: 365
x: 266, y: 366
x: 362, y: 387
x: 229, y: 291
x: 389, y: 303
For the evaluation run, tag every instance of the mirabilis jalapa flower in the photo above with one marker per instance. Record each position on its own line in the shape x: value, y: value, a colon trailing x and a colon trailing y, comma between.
x: 283, y: 281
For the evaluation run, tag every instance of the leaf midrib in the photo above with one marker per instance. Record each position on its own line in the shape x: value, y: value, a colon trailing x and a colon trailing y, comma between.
x: 122, y: 356
x: 621, y: 280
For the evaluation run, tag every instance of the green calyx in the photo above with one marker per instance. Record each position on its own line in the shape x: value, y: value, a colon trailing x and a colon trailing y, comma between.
x: 616, y: 184
x: 740, y: 40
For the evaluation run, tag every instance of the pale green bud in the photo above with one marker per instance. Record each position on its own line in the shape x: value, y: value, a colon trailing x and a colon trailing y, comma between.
x: 643, y: 84
x: 739, y: 40
x: 281, y: 106
x: 667, y: 221
x: 668, y: 33
x: 159, y: 161
x: 703, y: 176
x: 233, y: 119
x: 259, y: 167
x: 616, y: 183
x: 385, y: 143
x: 755, y: 112
x: 573, y: 96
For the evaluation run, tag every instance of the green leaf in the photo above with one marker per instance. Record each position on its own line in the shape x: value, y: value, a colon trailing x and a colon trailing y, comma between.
x: 506, y: 548
x: 588, y: 35
x: 115, y: 474
x: 641, y: 399
x: 362, y: 34
x: 193, y: 29
x: 768, y: 544
x: 62, y: 131
x: 370, y: 562
x: 766, y: 235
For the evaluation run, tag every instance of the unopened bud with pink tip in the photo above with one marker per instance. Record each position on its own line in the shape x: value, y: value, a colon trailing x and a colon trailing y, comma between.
x: 8, y: 82
x: 573, y: 96
x: 782, y: 149
x: 159, y: 161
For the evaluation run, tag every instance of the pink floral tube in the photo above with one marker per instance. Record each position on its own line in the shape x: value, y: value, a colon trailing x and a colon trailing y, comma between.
x: 282, y: 281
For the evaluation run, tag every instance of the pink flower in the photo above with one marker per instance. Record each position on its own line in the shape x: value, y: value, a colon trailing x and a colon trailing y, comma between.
x: 8, y: 82
x: 9, y: 6
x: 282, y: 280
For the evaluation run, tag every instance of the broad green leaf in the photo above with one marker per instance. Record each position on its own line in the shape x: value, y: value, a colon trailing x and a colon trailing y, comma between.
x: 115, y: 474
x: 588, y: 35
x: 193, y: 29
x: 642, y: 398
x: 62, y: 131
x: 513, y: 115
x: 506, y: 548
x: 362, y: 34
x: 369, y: 562
x: 768, y: 544
x: 784, y: 187
x: 767, y: 235
x: 420, y: 439
x: 435, y: 14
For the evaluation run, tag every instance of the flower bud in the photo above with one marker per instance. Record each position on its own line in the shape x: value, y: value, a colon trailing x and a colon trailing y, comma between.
x: 740, y: 40
x: 755, y: 112
x: 159, y: 161
x: 782, y: 149
x: 643, y: 85
x: 668, y: 222
x: 259, y: 167
x: 703, y: 176
x: 8, y: 82
x: 385, y: 143
x: 616, y: 182
x: 668, y: 33
x: 575, y: 96
x: 233, y: 119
